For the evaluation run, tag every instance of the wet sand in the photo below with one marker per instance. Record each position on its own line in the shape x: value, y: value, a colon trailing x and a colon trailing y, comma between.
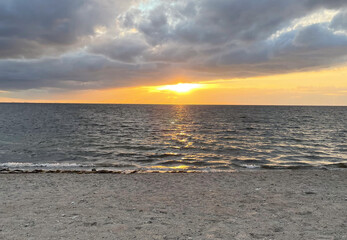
x: 282, y: 204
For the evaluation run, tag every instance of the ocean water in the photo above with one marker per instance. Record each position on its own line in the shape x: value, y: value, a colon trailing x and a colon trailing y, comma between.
x: 170, y: 138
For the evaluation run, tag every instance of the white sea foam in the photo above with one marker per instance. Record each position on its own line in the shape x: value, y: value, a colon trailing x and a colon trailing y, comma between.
x: 250, y: 166
x: 42, y: 165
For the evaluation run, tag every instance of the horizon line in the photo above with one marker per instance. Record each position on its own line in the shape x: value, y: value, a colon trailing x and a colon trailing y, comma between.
x: 185, y: 104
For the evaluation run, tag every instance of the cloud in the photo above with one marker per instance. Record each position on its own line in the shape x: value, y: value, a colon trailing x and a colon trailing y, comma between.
x: 319, y: 37
x: 78, y: 70
x: 220, y: 21
x: 127, y: 49
x: 340, y: 21
x: 50, y: 26
x: 111, y: 43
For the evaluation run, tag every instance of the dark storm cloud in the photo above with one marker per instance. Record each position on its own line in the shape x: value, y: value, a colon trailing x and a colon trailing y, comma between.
x: 50, y: 25
x: 48, y: 43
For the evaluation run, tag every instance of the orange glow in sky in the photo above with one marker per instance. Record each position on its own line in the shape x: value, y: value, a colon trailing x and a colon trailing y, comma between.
x: 180, y: 87
x: 324, y: 87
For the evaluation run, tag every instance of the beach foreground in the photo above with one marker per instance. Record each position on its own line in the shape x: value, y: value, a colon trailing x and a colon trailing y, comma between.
x: 299, y: 204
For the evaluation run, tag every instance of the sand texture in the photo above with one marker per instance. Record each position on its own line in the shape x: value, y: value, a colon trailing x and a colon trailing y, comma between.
x: 287, y: 204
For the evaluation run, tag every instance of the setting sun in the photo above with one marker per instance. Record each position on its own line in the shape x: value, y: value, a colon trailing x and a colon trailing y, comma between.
x: 180, y: 87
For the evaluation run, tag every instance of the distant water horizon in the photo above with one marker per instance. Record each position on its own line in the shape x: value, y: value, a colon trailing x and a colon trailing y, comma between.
x: 183, y: 104
x: 170, y: 138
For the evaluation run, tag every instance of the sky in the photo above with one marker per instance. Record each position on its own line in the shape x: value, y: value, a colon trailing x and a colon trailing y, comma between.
x: 267, y: 52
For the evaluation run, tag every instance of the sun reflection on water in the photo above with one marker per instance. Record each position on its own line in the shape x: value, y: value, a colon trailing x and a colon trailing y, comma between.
x: 179, y: 135
x: 171, y: 167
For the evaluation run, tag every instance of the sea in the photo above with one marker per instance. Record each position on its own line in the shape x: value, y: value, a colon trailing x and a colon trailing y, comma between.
x: 170, y: 138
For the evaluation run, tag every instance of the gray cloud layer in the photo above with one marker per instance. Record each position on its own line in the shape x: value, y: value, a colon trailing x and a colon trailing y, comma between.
x: 36, y: 27
x: 85, y: 44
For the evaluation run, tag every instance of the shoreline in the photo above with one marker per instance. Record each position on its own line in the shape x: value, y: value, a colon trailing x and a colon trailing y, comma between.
x: 259, y: 204
x: 331, y: 167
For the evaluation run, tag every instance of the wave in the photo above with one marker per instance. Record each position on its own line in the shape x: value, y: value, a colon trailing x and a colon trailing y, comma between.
x: 164, y: 155
x: 163, y: 167
x: 305, y: 166
x: 42, y: 165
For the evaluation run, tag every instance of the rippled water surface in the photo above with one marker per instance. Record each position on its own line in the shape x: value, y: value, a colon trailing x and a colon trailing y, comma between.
x: 171, y: 137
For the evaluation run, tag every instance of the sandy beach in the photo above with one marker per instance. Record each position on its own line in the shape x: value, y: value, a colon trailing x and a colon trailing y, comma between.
x: 299, y: 204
